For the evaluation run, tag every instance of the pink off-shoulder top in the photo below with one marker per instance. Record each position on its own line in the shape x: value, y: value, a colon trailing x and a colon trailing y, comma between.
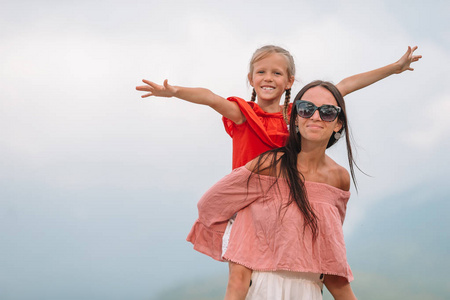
x: 267, y: 237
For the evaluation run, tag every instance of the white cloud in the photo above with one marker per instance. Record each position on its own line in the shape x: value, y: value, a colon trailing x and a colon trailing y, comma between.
x: 77, y: 100
x: 431, y: 128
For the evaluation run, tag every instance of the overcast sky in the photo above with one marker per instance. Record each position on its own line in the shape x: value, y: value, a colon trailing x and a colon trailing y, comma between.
x: 83, y: 158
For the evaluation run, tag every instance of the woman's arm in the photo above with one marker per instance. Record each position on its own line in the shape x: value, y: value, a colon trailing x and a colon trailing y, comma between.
x: 202, y: 96
x: 359, y: 81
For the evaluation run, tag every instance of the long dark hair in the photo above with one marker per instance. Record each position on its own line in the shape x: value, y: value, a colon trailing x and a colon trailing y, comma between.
x: 286, y: 157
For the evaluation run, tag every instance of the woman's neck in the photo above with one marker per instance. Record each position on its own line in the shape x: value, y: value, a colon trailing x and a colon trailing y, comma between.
x: 311, y: 158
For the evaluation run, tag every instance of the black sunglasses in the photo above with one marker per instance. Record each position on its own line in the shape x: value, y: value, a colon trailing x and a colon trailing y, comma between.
x: 306, y: 109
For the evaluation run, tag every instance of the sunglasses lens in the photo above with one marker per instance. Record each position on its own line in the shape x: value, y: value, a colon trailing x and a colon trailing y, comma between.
x: 328, y: 113
x: 306, y: 109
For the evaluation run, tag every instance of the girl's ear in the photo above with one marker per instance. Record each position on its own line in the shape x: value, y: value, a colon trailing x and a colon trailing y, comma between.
x: 250, y: 79
x: 290, y: 82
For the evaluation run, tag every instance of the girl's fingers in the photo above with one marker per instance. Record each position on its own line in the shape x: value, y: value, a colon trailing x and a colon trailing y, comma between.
x: 150, y: 83
x: 146, y: 95
x: 144, y: 88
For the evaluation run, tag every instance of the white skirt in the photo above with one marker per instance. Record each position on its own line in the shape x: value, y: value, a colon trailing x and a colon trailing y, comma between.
x: 285, y: 285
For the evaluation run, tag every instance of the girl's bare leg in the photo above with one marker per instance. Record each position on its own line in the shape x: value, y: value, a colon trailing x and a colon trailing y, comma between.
x: 238, y: 282
x: 339, y: 287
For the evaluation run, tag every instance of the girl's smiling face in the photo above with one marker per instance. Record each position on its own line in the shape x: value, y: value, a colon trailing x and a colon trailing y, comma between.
x: 314, y: 128
x: 270, y: 77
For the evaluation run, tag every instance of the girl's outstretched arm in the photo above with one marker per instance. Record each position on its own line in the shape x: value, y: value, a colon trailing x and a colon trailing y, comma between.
x: 339, y: 287
x: 203, y: 96
x: 359, y: 81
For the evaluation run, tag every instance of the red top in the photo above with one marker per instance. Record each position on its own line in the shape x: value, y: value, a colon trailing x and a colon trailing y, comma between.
x: 262, y: 131
x: 267, y: 234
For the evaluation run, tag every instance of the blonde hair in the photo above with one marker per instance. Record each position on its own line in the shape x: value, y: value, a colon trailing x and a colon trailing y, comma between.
x: 262, y: 53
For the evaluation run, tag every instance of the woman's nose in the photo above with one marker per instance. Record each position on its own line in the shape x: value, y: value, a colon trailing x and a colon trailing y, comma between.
x: 316, y: 115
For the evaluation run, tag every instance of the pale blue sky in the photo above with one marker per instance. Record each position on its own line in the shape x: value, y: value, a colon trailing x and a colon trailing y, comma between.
x: 99, y: 186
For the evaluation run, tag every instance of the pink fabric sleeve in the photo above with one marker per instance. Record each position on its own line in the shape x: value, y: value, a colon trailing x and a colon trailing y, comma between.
x: 218, y: 205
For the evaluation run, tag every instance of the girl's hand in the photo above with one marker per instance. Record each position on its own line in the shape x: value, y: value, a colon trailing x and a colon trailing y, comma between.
x: 407, y: 59
x: 165, y: 90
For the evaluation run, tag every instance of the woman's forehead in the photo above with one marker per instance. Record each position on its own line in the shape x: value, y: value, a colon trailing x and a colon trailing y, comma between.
x: 319, y: 96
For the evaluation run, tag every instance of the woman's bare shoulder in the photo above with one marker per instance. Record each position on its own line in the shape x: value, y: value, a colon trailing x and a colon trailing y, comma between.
x: 340, y: 176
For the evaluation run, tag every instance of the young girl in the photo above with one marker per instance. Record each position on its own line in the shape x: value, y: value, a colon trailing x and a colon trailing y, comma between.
x: 261, y: 126
x: 256, y: 128
x: 291, y: 204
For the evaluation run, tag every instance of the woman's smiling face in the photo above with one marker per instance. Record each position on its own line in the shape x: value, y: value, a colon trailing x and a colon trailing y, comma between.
x: 314, y: 128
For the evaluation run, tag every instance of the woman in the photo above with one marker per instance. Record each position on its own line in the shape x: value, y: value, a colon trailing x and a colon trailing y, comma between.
x: 288, y: 229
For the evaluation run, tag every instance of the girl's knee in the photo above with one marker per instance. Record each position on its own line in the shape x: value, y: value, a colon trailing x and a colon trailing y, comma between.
x: 239, y: 277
